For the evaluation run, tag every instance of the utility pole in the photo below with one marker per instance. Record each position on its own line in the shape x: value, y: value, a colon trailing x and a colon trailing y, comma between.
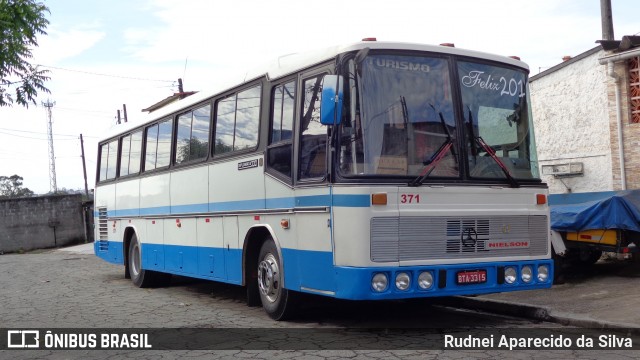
x: 124, y: 109
x: 84, y: 168
x: 118, y: 117
x: 607, y: 20
x: 52, y: 159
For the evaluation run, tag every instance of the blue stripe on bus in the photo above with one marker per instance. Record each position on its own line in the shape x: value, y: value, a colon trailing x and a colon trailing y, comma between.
x: 185, y: 209
x: 314, y: 272
x: 237, y: 205
x: 342, y: 200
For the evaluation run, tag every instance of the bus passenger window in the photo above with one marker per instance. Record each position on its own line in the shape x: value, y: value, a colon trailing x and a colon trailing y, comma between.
x: 193, y: 135
x: 237, y: 121
x: 158, y: 149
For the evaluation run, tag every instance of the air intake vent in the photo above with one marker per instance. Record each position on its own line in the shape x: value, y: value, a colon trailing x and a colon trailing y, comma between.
x: 103, y: 225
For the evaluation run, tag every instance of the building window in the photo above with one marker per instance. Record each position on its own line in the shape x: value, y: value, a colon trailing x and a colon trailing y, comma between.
x: 634, y: 89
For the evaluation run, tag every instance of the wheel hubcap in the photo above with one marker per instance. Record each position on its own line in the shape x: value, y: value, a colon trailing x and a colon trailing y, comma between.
x: 269, y: 278
x: 135, y: 260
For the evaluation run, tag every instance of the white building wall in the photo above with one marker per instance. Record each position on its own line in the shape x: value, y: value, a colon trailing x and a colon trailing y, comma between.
x: 572, y: 124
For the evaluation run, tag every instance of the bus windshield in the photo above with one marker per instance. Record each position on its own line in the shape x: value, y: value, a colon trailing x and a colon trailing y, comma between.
x: 496, y: 109
x: 401, y: 119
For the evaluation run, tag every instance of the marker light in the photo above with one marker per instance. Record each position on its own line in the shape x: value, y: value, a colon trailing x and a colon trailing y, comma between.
x: 541, y: 199
x: 379, y: 282
x: 379, y: 199
x: 370, y: 39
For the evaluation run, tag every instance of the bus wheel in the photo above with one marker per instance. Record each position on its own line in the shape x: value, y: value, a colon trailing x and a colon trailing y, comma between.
x: 277, y: 301
x: 140, y: 277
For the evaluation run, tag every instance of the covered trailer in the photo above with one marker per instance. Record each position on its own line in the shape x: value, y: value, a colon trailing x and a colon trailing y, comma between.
x: 596, y: 222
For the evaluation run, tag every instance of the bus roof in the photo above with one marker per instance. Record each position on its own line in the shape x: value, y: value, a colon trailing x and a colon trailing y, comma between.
x: 288, y: 64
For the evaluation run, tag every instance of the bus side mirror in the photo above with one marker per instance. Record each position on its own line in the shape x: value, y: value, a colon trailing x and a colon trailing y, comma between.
x: 331, y: 105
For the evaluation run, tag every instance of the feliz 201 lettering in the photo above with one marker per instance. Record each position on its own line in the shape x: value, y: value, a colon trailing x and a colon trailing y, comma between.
x: 511, y: 87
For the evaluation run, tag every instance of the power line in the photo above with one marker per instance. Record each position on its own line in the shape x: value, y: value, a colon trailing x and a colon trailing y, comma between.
x: 41, y: 133
x: 107, y: 75
x: 34, y: 138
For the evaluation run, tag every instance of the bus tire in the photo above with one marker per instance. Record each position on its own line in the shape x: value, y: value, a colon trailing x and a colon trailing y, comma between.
x: 278, y: 302
x: 140, y: 277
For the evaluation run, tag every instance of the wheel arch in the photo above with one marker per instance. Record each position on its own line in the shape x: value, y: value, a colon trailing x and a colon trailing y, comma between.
x: 253, y: 240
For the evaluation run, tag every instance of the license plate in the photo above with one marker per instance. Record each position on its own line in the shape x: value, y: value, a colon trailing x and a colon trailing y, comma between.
x: 471, y: 277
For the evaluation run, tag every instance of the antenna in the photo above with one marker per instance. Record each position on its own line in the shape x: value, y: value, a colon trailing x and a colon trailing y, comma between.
x: 53, y: 187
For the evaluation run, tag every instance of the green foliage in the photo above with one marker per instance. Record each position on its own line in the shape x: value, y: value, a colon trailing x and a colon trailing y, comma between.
x: 192, y: 149
x: 20, y: 23
x: 11, y: 186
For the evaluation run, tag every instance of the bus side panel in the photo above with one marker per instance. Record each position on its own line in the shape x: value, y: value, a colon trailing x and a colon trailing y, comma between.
x: 128, y: 198
x: 152, y: 245
x: 154, y: 203
x: 314, y: 256
x: 211, y: 262
x: 352, y: 223
x: 235, y: 185
x: 232, y: 250
x: 232, y: 189
x: 190, y: 190
x: 180, y: 251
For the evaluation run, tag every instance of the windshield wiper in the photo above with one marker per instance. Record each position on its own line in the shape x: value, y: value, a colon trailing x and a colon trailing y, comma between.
x: 436, y: 157
x: 480, y: 141
x: 432, y: 162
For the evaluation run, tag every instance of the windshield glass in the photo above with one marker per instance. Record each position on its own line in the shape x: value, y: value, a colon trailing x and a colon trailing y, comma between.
x: 496, y: 108
x: 400, y: 113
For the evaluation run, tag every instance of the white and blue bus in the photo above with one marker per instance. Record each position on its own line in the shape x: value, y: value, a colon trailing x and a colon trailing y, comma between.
x: 370, y: 171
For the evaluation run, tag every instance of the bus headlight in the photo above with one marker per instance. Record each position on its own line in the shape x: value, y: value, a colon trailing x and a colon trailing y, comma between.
x: 527, y: 274
x: 403, y: 281
x: 425, y: 280
x: 510, y: 275
x: 543, y: 273
x: 379, y: 282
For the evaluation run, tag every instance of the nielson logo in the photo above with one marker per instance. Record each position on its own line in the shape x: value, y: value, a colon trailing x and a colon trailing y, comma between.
x: 497, y: 244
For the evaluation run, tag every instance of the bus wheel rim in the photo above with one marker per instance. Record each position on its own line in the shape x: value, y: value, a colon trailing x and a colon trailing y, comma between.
x: 269, y: 278
x: 135, y: 263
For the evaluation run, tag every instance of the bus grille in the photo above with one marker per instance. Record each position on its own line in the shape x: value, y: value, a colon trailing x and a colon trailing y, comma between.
x: 446, y: 237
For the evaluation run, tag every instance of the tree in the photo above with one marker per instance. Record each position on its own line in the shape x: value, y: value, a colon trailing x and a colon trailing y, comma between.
x: 11, y: 187
x: 20, y: 22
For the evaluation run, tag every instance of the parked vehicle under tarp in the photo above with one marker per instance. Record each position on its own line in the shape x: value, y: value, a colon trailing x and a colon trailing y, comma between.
x: 596, y: 210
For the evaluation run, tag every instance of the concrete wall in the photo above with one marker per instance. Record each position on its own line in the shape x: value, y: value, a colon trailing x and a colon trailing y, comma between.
x: 571, y: 120
x: 28, y: 223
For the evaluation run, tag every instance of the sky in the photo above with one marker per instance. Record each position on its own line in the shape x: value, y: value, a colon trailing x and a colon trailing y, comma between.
x: 103, y: 54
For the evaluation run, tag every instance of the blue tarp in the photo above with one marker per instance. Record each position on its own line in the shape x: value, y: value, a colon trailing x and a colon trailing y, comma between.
x: 596, y: 210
